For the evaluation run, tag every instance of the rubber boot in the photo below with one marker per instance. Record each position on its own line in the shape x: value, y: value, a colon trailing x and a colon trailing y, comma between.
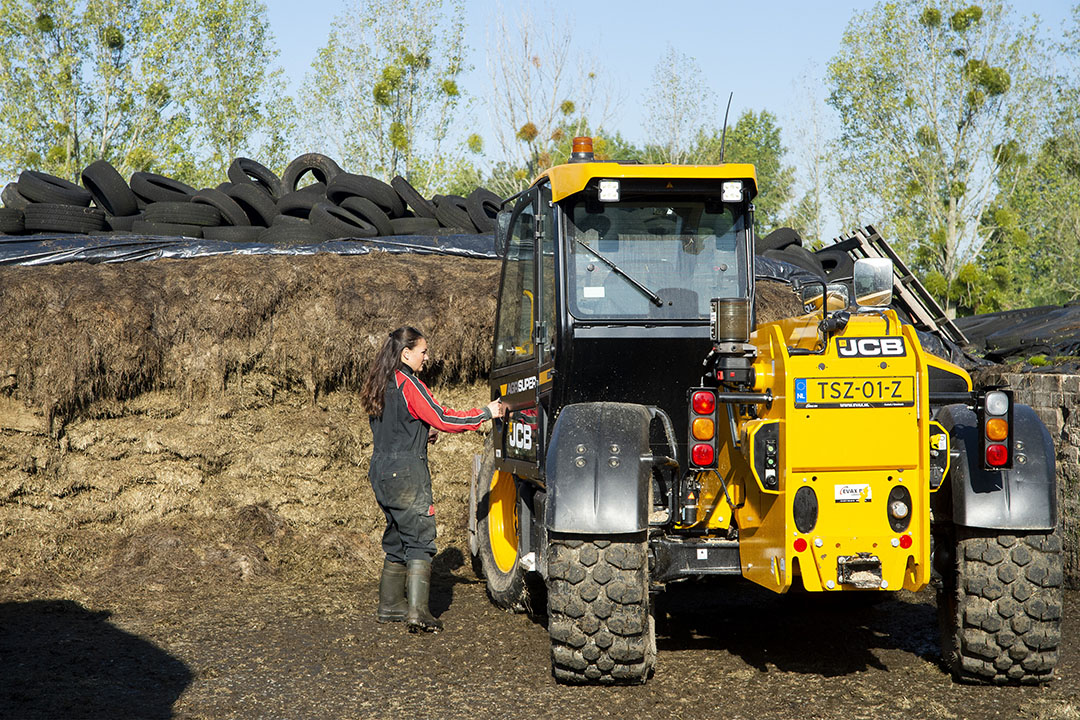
x: 419, y: 618
x: 392, y: 604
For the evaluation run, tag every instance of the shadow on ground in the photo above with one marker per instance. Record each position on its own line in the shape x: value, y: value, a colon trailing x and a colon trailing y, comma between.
x: 60, y: 660
x: 796, y: 632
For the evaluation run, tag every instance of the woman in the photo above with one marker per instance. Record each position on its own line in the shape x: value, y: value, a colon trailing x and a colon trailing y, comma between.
x: 404, y: 419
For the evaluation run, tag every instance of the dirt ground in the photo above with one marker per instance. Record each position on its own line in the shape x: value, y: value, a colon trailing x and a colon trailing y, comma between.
x: 278, y: 650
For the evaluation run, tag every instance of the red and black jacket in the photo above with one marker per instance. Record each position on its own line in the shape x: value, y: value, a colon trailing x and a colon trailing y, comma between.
x: 409, y: 410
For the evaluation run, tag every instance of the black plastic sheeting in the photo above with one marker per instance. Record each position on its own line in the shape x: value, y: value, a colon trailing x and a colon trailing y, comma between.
x: 49, y: 250
x: 1051, y: 330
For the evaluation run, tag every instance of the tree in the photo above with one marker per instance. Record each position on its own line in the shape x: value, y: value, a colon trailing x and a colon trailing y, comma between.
x: 1034, y: 248
x: 676, y: 102
x: 89, y: 80
x: 933, y: 104
x: 384, y: 89
x: 236, y: 93
x: 755, y: 139
x: 808, y: 214
x: 542, y: 96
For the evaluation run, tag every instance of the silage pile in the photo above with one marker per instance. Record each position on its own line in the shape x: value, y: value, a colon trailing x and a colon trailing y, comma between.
x: 193, y: 421
x: 176, y: 419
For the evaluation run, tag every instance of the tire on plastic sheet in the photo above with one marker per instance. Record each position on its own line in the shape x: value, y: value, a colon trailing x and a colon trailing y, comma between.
x: 299, y: 203
x: 483, y: 205
x: 53, y: 217
x: 452, y: 212
x: 231, y: 212
x: 255, y: 203
x: 183, y: 213
x: 111, y: 193
x: 292, y: 233
x: 322, y: 168
x: 122, y: 223
x: 233, y: 233
x: 413, y: 226
x: 422, y: 207
x: 41, y: 187
x: 384, y: 196
x: 369, y: 211
x: 837, y: 264
x: 11, y: 221
x: 778, y: 239
x: 246, y: 170
x: 12, y: 198
x: 152, y: 188
x: 340, y: 223
x: 142, y: 227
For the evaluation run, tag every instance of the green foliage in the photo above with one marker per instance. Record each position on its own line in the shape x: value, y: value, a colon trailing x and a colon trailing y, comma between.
x: 754, y: 138
x: 527, y: 132
x: 935, y: 118
x: 1035, y: 230
x: 383, y: 92
x: 234, y: 83
x: 964, y: 19
x: 145, y: 84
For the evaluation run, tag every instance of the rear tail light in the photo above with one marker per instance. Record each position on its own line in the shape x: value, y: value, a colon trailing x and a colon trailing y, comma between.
x: 703, y: 455
x: 703, y: 428
x: 703, y: 402
x: 997, y: 455
x: 995, y: 409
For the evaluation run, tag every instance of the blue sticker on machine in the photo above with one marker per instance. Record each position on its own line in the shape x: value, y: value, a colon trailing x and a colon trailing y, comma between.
x: 800, y: 390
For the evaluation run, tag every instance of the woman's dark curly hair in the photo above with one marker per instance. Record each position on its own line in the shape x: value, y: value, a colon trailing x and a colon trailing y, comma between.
x: 386, y: 363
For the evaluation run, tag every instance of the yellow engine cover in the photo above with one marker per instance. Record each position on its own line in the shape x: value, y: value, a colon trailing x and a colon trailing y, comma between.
x: 854, y: 428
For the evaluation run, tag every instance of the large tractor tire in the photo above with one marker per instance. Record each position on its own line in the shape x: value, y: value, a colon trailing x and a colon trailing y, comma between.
x: 498, y: 559
x: 598, y: 610
x: 1000, y: 605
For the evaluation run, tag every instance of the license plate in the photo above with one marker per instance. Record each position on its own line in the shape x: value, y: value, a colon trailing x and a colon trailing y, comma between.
x: 849, y: 392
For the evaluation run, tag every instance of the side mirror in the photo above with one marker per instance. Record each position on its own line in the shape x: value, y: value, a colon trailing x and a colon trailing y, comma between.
x: 873, y: 282
x: 502, y: 232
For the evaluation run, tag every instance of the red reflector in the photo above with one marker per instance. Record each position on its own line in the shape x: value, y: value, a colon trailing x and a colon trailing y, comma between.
x: 997, y: 455
x: 702, y: 455
x: 905, y: 541
x: 703, y: 403
x: 800, y: 544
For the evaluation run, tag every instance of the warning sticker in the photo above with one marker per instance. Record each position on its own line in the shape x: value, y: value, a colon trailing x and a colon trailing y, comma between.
x: 852, y: 493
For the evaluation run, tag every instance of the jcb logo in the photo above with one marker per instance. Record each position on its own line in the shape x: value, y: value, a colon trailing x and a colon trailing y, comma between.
x: 519, y: 436
x: 871, y: 347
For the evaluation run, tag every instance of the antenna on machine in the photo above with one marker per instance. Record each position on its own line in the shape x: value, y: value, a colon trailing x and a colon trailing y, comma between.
x: 723, y: 135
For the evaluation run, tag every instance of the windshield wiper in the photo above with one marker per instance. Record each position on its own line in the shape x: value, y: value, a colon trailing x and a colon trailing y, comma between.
x: 619, y: 271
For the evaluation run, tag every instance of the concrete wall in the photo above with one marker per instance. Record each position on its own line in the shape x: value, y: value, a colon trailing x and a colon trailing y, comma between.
x: 1055, y: 398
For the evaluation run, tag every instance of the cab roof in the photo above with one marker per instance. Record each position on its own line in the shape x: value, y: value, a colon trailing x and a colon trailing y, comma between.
x: 573, y: 177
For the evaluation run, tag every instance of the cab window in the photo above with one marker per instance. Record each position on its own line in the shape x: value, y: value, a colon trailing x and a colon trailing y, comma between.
x: 517, y: 302
x: 654, y: 258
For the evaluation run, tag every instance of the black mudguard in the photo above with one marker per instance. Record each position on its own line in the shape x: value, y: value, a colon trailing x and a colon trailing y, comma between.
x: 1022, y: 498
x: 597, y: 480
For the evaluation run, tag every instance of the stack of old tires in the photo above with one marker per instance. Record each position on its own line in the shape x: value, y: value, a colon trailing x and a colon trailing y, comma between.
x: 314, y: 200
